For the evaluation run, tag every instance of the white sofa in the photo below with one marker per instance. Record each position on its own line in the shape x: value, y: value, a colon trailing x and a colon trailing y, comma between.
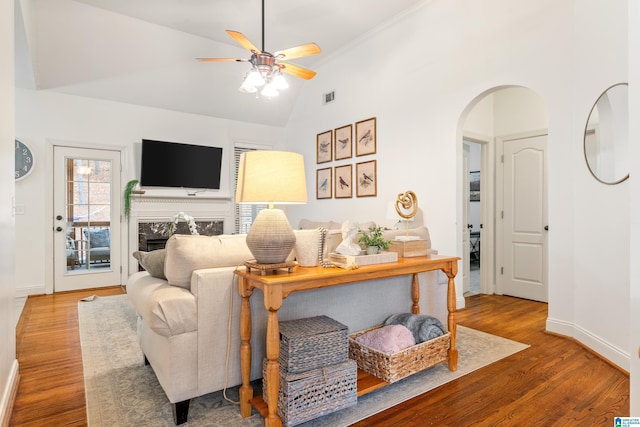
x: 187, y: 320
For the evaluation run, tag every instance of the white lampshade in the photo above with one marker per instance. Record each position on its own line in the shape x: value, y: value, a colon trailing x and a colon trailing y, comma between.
x: 271, y: 177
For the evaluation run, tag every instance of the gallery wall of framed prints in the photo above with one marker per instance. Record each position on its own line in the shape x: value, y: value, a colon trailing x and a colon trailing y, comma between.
x: 339, y: 145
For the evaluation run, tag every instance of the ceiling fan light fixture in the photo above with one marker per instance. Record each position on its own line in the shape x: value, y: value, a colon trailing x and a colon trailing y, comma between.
x: 279, y: 82
x: 254, y: 78
x: 247, y: 88
x: 269, y: 91
x: 265, y: 67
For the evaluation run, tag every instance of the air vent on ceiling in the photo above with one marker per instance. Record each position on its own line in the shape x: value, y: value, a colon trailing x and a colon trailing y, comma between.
x: 329, y: 97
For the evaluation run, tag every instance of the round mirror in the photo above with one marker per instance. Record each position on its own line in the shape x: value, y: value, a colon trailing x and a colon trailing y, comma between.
x: 606, y: 136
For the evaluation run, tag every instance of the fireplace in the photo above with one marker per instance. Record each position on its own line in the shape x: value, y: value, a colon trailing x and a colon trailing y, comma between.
x: 153, y: 235
x: 155, y: 244
x: 151, y: 217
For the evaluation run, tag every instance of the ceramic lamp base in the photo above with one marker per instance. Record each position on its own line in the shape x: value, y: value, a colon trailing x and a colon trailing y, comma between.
x: 271, y: 238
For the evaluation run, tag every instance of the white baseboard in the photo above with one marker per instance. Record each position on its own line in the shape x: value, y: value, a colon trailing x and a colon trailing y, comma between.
x: 8, y: 394
x: 604, y: 349
x: 560, y: 327
x: 33, y: 290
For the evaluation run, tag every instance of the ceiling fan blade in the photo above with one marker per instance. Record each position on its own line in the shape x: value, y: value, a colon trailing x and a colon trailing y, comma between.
x: 298, y: 51
x: 243, y: 41
x: 296, y: 70
x: 220, y: 60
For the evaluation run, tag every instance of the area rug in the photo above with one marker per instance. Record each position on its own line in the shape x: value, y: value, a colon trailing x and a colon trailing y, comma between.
x: 122, y: 391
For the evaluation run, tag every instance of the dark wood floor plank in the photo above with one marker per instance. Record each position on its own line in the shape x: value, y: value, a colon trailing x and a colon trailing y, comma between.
x: 554, y: 382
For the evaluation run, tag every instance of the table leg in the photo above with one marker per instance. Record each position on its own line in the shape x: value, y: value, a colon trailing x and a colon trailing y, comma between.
x: 273, y: 302
x: 415, y: 294
x: 451, y: 321
x: 246, y: 390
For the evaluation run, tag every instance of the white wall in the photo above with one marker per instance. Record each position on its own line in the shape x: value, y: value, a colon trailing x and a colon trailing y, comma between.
x: 600, y: 212
x: 634, y: 189
x: 44, y: 117
x: 419, y: 76
x: 8, y: 362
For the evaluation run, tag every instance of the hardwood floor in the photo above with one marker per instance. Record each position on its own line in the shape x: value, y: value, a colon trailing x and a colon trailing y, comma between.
x: 554, y: 382
x: 51, y: 390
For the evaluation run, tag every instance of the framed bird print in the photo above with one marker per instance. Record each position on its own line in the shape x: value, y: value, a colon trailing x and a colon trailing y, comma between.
x: 323, y: 183
x: 324, y: 147
x: 343, y: 142
x: 366, y: 137
x: 342, y: 182
x: 366, y: 179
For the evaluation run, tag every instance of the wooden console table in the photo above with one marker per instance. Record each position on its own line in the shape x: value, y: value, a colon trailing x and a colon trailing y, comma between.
x: 277, y: 286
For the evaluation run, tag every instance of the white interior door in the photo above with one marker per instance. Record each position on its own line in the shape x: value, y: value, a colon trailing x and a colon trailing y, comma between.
x: 86, y: 223
x: 524, y: 226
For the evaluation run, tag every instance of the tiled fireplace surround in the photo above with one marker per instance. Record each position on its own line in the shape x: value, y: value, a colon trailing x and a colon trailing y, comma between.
x: 151, y: 216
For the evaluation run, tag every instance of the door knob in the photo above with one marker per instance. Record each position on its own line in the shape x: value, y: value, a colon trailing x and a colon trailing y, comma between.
x: 546, y: 227
x: 59, y: 217
x: 58, y: 228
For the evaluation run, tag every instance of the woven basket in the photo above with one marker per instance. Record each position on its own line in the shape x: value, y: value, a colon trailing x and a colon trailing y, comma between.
x: 311, y: 343
x: 308, y: 395
x: 396, y: 366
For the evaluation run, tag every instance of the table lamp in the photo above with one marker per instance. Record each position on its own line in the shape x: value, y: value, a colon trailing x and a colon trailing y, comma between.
x: 272, y: 177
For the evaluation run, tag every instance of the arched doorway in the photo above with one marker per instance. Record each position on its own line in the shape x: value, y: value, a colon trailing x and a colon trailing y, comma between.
x: 490, y: 126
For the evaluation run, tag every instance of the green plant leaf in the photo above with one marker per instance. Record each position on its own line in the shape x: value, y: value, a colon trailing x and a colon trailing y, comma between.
x: 127, y: 196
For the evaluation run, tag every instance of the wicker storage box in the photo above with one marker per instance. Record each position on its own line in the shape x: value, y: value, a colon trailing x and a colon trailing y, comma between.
x: 311, y: 343
x: 396, y: 366
x: 307, y: 395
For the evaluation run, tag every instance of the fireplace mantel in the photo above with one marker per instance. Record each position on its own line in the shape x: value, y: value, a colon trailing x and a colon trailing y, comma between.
x: 163, y: 209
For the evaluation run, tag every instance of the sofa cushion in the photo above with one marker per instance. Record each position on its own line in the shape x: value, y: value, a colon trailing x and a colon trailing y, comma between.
x: 186, y: 253
x: 306, y: 224
x: 152, y: 261
x: 98, y: 238
x: 167, y: 310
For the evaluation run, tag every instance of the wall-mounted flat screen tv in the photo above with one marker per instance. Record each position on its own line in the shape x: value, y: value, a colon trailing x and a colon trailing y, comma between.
x: 171, y: 164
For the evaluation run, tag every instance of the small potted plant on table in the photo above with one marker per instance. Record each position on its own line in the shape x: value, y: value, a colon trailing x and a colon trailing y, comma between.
x: 373, y: 240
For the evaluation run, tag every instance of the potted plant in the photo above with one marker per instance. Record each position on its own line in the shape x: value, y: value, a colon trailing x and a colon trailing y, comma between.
x: 373, y: 240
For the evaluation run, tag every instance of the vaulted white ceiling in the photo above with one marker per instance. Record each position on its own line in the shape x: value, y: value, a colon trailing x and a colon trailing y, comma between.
x: 143, y: 51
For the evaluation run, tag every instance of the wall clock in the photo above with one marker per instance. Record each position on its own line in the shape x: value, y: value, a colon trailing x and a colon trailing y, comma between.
x: 24, y: 160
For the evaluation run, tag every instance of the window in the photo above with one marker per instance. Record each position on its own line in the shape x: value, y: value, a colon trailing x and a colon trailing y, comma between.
x: 244, y: 213
x: 88, y: 207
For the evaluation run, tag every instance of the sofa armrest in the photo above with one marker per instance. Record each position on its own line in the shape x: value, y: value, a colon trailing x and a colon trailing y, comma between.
x: 167, y: 310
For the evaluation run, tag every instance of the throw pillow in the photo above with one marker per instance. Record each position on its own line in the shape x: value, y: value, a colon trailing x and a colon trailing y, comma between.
x: 187, y: 253
x: 152, y: 261
x: 98, y: 238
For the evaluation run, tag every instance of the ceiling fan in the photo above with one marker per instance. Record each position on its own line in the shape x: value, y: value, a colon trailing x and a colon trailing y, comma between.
x: 267, y: 68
